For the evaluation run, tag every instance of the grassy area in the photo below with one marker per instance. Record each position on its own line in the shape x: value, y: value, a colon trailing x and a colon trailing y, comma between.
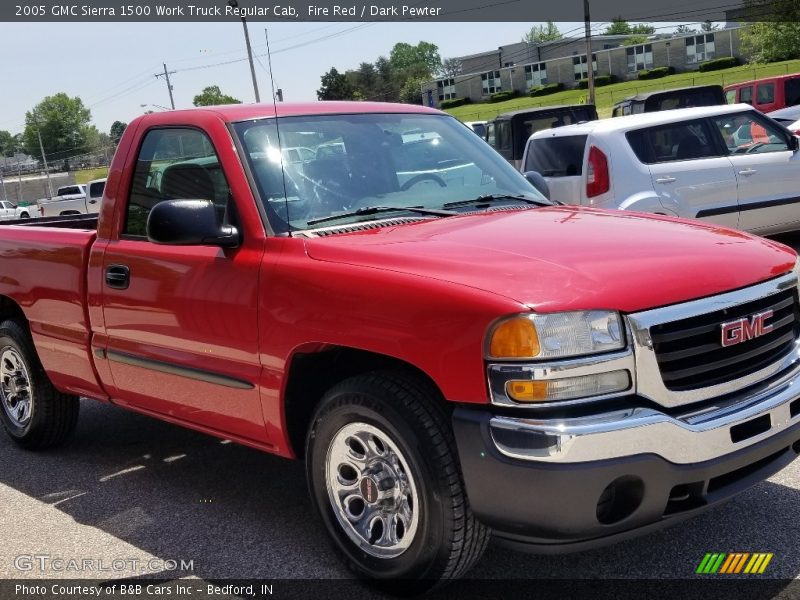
x: 86, y: 175
x: 606, y: 96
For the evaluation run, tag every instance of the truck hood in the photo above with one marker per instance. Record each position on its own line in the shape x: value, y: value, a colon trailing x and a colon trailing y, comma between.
x: 567, y: 258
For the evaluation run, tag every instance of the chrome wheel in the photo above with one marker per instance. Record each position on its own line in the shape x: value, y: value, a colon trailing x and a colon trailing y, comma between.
x: 15, y: 387
x: 371, y: 490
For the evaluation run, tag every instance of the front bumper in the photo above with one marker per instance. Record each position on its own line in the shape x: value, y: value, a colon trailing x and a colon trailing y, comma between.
x: 555, y: 485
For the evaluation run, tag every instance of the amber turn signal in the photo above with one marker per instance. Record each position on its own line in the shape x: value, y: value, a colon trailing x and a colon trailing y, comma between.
x: 514, y: 338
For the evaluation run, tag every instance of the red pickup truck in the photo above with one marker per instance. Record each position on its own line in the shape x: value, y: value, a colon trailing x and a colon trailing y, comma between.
x: 451, y: 353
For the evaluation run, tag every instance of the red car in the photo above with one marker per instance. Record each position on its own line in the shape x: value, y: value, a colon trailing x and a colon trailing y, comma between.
x: 452, y: 354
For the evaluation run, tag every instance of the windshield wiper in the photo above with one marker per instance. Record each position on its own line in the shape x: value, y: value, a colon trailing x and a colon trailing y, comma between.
x: 373, y: 210
x: 488, y: 198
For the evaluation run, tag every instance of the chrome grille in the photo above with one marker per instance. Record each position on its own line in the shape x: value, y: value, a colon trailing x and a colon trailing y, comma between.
x: 690, y: 354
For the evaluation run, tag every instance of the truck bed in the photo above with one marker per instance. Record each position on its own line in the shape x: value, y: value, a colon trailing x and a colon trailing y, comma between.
x: 44, y: 271
x: 88, y: 222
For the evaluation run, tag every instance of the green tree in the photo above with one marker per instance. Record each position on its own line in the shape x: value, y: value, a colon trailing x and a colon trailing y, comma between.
x: 684, y: 29
x: 619, y: 26
x: 63, y: 123
x: 451, y: 67
x: 774, y: 36
x: 643, y: 29
x: 542, y: 33
x: 7, y: 144
x: 389, y: 86
x: 709, y: 26
x: 213, y: 96
x: 411, y: 92
x: 422, y: 60
x: 335, y: 86
x: 635, y: 39
x: 117, y: 129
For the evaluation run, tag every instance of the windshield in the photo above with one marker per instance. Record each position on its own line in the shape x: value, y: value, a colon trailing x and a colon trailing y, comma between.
x: 367, y: 160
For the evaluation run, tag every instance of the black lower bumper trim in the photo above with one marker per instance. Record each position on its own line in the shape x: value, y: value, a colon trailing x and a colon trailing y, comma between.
x: 552, y: 507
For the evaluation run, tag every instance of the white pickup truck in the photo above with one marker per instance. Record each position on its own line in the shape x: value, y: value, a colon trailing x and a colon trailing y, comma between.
x: 9, y: 211
x: 75, y: 199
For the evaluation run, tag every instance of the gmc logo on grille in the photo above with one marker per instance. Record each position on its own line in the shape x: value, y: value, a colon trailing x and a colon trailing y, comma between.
x: 747, y: 328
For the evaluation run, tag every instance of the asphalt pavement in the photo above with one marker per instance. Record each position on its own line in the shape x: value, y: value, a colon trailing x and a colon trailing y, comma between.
x: 129, y: 488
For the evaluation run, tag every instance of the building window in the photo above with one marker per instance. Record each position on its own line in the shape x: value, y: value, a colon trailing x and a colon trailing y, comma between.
x: 639, y: 57
x: 579, y: 66
x: 491, y: 83
x: 446, y: 89
x: 699, y: 48
x: 536, y: 74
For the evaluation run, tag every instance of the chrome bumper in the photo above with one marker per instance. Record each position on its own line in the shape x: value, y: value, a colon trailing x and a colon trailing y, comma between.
x: 738, y: 421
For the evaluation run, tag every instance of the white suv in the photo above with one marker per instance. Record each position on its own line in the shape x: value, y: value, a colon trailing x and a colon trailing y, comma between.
x: 726, y: 164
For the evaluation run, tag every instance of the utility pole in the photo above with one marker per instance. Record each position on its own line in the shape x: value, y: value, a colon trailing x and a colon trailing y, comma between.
x: 235, y: 4
x: 589, y: 61
x: 44, y: 159
x: 166, y: 75
x: 3, y: 183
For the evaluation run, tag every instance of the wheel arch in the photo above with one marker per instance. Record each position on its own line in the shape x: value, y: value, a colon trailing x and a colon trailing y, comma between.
x: 311, y: 373
x: 10, y: 309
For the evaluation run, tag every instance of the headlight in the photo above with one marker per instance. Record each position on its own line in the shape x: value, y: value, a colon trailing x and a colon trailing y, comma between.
x: 555, y: 335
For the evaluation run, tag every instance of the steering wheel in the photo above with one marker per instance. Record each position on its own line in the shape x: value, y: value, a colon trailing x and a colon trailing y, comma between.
x: 420, y: 178
x: 754, y: 147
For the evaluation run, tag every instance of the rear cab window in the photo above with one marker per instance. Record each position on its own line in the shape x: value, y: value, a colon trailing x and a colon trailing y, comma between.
x: 559, y: 156
x: 688, y: 140
x: 96, y: 189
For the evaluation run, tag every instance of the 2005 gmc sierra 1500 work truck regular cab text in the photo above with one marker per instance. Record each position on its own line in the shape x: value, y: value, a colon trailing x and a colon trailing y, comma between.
x: 452, y: 354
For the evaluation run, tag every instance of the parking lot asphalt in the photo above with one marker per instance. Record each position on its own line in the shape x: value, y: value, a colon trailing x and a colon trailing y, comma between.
x: 131, y: 488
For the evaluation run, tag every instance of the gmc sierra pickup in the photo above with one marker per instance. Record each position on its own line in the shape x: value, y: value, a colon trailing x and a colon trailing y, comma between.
x: 451, y: 353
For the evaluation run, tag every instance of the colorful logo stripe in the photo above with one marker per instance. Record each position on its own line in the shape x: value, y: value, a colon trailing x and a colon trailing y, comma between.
x: 734, y: 563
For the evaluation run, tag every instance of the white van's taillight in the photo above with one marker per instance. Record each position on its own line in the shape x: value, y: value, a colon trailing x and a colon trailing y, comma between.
x: 598, y: 180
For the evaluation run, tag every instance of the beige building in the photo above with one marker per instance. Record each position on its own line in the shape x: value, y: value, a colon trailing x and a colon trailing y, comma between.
x: 521, y: 66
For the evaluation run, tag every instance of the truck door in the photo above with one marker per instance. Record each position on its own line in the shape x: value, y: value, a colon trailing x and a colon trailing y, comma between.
x: 181, y: 321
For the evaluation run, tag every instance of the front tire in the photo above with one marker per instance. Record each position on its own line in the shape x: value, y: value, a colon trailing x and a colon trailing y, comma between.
x: 385, y: 479
x: 32, y: 411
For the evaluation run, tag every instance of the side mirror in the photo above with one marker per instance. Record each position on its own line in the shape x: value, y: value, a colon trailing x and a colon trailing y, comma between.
x: 537, y: 180
x: 794, y: 143
x: 189, y: 223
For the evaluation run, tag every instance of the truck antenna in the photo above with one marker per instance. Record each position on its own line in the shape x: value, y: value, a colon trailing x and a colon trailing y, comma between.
x: 278, y: 132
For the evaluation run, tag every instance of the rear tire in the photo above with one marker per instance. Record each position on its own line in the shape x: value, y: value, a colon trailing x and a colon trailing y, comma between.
x: 384, y: 476
x: 33, y: 412
x: 24, y: 216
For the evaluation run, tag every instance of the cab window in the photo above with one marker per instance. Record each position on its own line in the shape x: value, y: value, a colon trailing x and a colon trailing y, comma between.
x: 174, y: 164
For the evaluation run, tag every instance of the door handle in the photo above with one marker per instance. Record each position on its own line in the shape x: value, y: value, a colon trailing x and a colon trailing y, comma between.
x: 747, y: 172
x: 118, y: 277
x: 666, y: 179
